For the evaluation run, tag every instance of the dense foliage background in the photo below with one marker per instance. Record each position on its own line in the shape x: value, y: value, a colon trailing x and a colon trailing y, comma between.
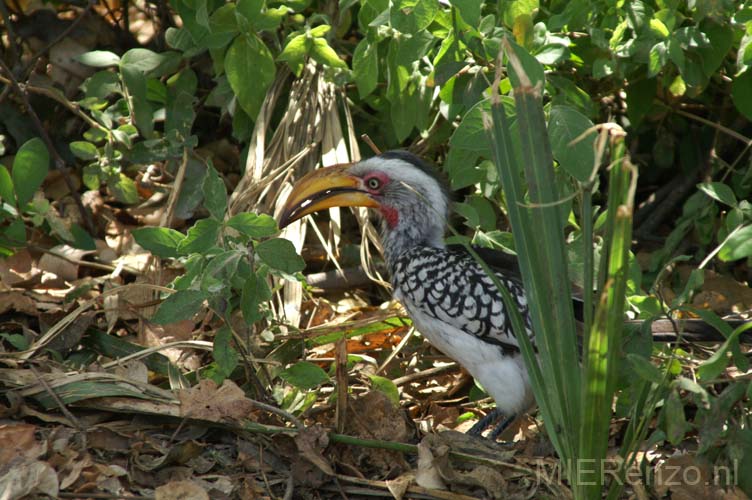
x: 146, y: 147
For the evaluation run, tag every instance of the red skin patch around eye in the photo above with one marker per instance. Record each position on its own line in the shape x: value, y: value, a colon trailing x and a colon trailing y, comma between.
x: 391, y: 216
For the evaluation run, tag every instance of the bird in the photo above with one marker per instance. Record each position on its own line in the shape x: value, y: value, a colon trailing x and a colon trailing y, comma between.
x: 451, y: 300
x: 445, y: 291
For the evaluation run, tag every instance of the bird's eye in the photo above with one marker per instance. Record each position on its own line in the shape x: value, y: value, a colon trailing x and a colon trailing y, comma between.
x: 373, y: 183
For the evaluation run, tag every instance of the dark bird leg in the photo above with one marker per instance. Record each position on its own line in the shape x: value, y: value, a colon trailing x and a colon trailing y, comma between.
x: 494, y: 417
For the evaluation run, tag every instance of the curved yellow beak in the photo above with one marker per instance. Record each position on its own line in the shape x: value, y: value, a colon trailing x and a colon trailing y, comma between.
x: 325, y: 188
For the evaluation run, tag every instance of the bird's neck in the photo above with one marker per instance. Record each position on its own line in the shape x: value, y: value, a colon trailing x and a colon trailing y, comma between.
x: 406, y: 235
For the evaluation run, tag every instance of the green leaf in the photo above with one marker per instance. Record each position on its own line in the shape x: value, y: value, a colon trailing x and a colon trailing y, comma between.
x: 657, y: 58
x: 215, y: 193
x: 295, y: 53
x: 741, y: 93
x: 513, y: 9
x: 29, y: 169
x: 469, y: 10
x: 645, y: 369
x: 640, y: 96
x: 719, y: 191
x: 14, y: 235
x: 225, y: 356
x: 737, y: 246
x: 149, y: 63
x: 253, y: 225
x: 304, y: 375
x: 721, y: 38
x: 470, y: 134
x: 565, y: 125
x: 123, y: 189
x: 383, y: 384
x: 279, y: 253
x: 201, y: 237
x: 161, y: 241
x: 676, y: 422
x: 255, y: 291
x: 365, y: 66
x: 180, y: 113
x: 404, y: 112
x: 7, y: 193
x: 322, y: 53
x: 82, y: 239
x: 180, y: 305
x: 99, y: 58
x: 138, y: 103
x: 84, y: 150
x: 529, y: 65
x: 412, y: 16
x: 250, y: 70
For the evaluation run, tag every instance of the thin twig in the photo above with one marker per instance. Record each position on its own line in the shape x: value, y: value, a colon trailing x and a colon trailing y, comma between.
x: 64, y: 34
x: 73, y: 420
x: 371, y: 144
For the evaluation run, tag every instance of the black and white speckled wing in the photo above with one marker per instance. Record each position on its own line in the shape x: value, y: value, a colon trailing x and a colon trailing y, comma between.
x: 450, y: 286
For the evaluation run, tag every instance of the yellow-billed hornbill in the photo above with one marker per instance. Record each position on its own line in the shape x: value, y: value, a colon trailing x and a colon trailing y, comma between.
x: 449, y: 297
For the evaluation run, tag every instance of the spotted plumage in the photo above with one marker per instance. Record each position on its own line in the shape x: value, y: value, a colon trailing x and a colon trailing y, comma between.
x: 449, y: 297
x: 450, y: 285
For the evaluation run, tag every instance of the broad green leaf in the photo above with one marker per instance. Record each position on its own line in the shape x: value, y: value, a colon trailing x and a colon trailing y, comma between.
x: 645, y: 369
x: 253, y: 225
x: 657, y: 58
x: 149, y: 63
x: 82, y: 239
x: 320, y: 30
x: 30, y: 167
x: 250, y: 9
x: 180, y: 305
x: 137, y: 101
x: 255, y: 291
x: 404, y: 112
x: 279, y: 253
x: 14, y: 234
x: 719, y: 191
x: 161, y: 241
x: 532, y: 69
x: 304, y: 375
x: 738, y: 246
x: 250, y: 70
x: 640, y: 95
x: 469, y: 10
x: 676, y: 422
x: 383, y: 384
x: 7, y: 193
x: 99, y: 58
x: 223, y: 24
x: 322, y: 53
x: 84, y: 150
x: 123, y: 189
x: 365, y: 66
x: 179, y: 112
x: 412, y: 16
x: 295, y: 53
x: 102, y: 84
x: 513, y: 9
x: 201, y: 237
x: 225, y: 356
x: 572, y: 141
x: 470, y: 134
x: 658, y: 28
x: 741, y: 93
x: 721, y: 38
x: 215, y: 193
